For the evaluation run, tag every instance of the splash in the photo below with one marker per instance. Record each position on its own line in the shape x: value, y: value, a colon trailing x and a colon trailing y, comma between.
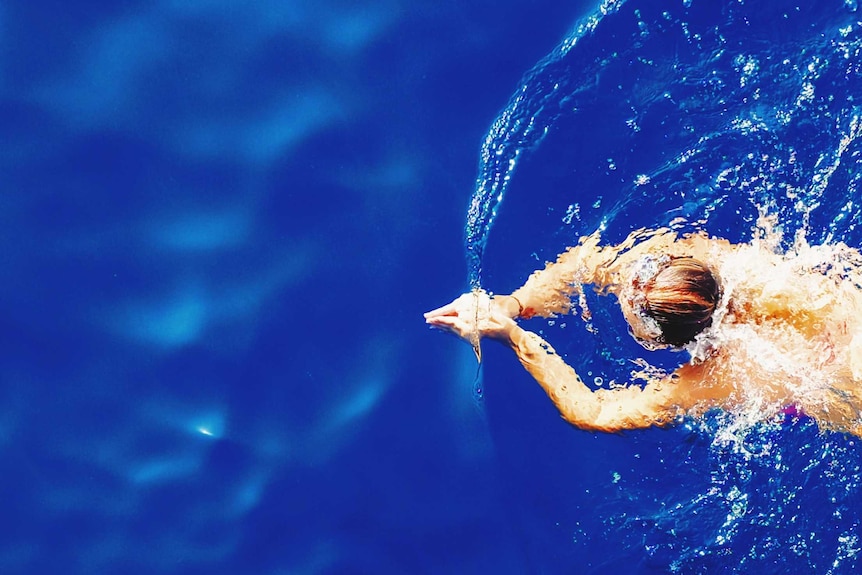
x: 532, y: 110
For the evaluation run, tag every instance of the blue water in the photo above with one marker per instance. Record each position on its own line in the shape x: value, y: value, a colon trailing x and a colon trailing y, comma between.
x: 222, y: 221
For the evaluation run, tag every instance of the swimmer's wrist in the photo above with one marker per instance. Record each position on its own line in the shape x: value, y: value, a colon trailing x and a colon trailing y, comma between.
x: 514, y: 308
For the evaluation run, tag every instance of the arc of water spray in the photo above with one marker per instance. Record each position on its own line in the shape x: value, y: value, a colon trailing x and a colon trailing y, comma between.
x: 522, y: 125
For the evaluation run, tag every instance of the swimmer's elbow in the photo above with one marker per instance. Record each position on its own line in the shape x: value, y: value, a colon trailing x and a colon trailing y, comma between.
x: 580, y: 415
x: 613, y: 421
x: 597, y: 417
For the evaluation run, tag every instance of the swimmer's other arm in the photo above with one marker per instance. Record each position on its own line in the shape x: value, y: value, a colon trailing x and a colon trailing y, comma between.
x: 547, y: 291
x: 659, y: 403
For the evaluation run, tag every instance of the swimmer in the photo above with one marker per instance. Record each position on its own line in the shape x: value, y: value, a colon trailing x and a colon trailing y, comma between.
x: 767, y: 333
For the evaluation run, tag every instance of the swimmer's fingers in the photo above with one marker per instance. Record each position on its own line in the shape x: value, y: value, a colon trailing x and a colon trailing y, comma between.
x: 462, y: 304
x: 448, y: 309
x: 451, y: 324
x: 445, y: 322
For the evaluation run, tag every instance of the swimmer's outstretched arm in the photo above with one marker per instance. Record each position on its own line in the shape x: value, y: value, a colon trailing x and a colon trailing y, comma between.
x: 547, y: 292
x: 659, y: 403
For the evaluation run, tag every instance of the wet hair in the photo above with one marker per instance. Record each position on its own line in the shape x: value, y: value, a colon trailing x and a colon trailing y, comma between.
x: 681, y: 299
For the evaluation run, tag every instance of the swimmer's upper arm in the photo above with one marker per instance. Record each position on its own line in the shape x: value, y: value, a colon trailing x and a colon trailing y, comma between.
x: 630, y: 407
x: 547, y: 291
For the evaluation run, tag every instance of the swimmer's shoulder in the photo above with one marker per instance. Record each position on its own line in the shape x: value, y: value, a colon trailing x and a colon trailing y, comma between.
x: 613, y: 262
x: 643, y: 242
x: 665, y: 240
x: 708, y: 249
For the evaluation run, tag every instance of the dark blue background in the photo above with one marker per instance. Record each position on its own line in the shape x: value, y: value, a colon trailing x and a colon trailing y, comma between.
x: 230, y: 216
x: 221, y: 223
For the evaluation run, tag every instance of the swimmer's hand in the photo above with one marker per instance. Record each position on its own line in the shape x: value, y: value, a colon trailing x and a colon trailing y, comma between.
x: 475, y: 315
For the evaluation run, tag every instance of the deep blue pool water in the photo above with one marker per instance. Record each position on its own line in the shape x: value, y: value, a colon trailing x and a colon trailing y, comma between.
x: 221, y: 223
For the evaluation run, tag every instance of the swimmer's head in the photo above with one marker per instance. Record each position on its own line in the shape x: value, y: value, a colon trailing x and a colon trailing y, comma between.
x: 670, y: 300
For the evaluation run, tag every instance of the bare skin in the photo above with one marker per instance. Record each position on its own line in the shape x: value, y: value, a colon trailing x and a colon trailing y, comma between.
x: 789, y: 332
